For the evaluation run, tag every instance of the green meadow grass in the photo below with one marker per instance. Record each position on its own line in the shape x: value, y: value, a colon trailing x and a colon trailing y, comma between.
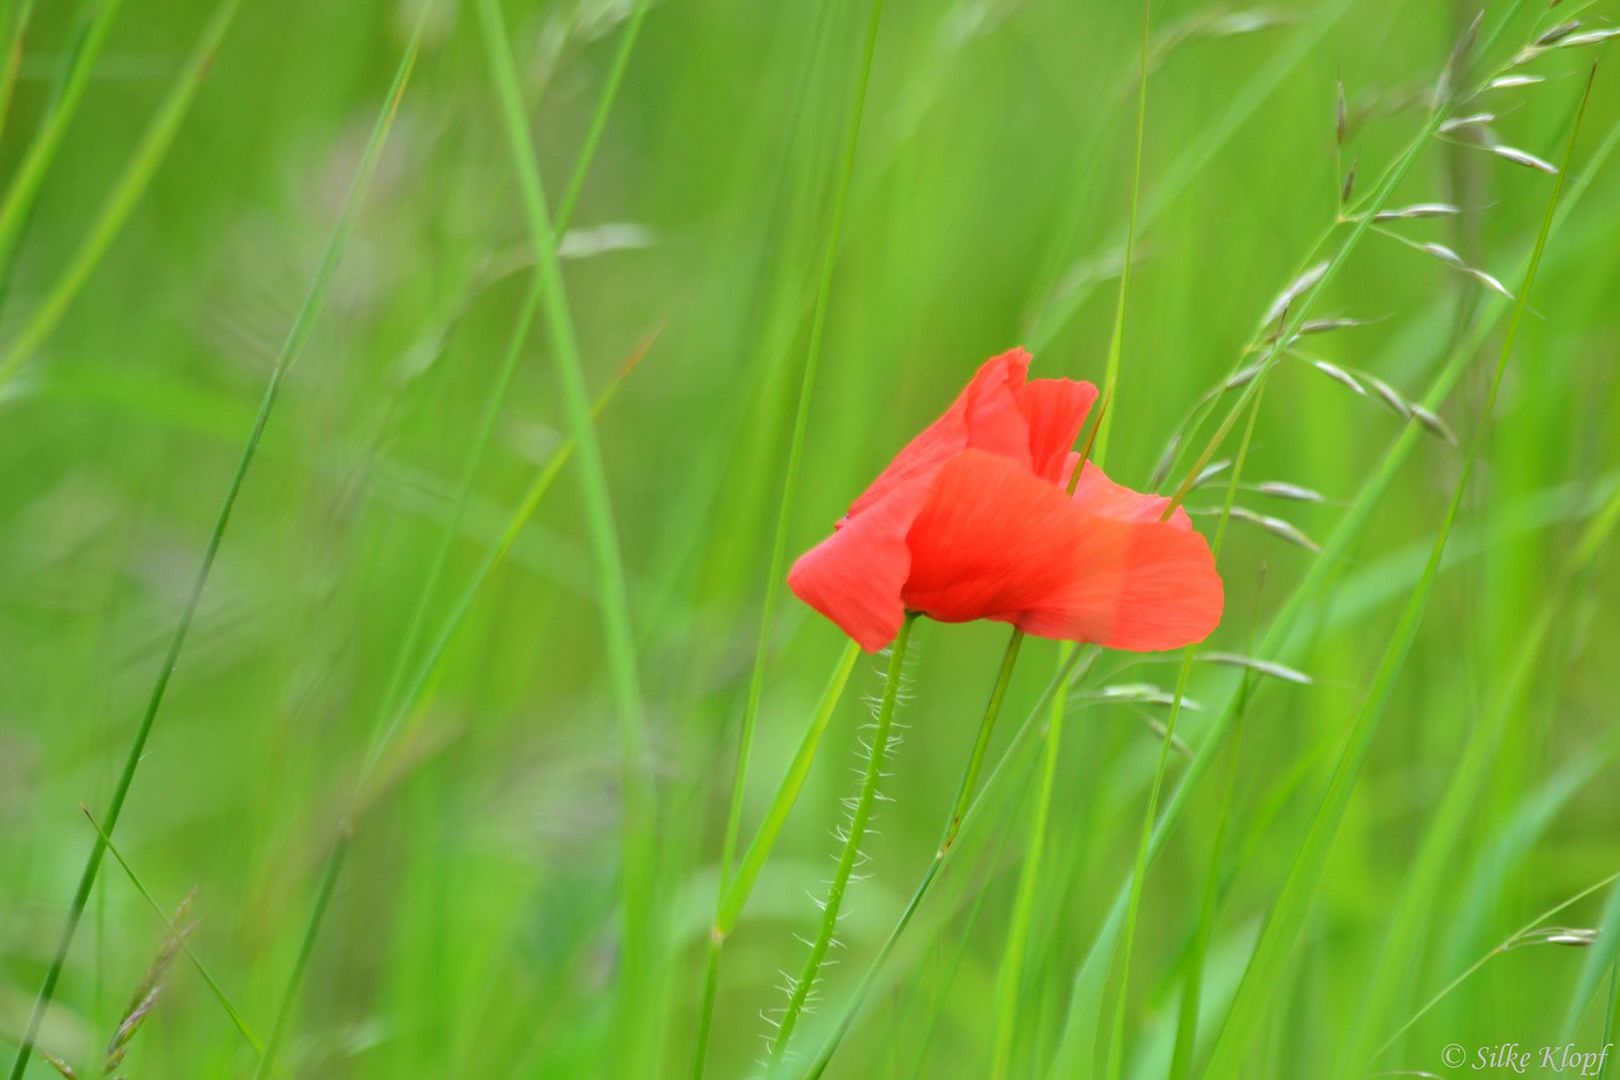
x: 408, y: 410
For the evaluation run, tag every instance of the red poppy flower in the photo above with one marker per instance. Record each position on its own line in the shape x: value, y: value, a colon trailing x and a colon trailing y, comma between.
x: 973, y: 520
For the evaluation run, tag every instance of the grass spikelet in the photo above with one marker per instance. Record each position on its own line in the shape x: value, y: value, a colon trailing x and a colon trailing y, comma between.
x: 1139, y: 694
x: 1591, y: 37
x: 1432, y: 423
x: 1514, y: 82
x: 1474, y: 120
x: 1418, y: 210
x: 1294, y: 290
x: 1270, y: 668
x: 1525, y: 158
x: 1211, y: 471
x: 1338, y: 375
x: 148, y: 990
x: 1558, y: 33
x: 1276, y: 526
x: 1390, y: 397
x: 1279, y: 489
x: 57, y: 1063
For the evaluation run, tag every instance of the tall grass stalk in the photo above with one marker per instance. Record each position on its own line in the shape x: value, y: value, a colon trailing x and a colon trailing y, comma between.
x: 1277, y: 938
x: 1085, y: 1003
x: 391, y: 703
x: 1116, y: 1042
x: 292, y: 346
x: 121, y: 200
x: 638, y: 1019
x: 18, y: 201
x: 784, y: 517
x: 860, y: 817
x: 1186, y: 1044
x: 1009, y: 977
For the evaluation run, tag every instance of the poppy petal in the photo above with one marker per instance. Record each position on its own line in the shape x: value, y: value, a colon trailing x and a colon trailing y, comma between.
x: 992, y: 540
x: 996, y: 542
x: 984, y: 415
x: 1101, y: 496
x: 1140, y: 586
x: 1055, y: 410
x: 854, y: 577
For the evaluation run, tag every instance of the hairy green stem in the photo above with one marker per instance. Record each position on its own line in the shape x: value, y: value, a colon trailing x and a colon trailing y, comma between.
x: 854, y: 834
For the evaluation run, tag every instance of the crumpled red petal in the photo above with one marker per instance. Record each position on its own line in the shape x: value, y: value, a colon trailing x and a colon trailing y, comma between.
x: 972, y: 520
x: 995, y: 542
x: 854, y: 577
x: 1055, y: 410
x: 1101, y: 496
x: 984, y: 415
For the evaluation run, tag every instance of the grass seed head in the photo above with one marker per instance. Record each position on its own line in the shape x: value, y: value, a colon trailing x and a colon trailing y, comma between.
x: 1525, y: 158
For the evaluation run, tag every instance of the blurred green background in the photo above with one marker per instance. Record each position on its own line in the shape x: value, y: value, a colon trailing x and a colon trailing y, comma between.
x: 473, y: 931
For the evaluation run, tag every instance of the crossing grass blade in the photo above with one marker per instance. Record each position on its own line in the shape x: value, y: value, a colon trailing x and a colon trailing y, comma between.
x: 214, y: 988
x: 20, y: 194
x: 126, y: 192
x: 1414, y: 908
x: 292, y: 346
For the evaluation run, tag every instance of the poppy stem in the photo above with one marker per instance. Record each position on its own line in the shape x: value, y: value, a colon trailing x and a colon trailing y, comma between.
x: 853, y: 835
x: 970, y: 778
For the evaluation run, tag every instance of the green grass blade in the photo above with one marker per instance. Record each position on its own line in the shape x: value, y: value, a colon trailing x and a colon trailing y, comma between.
x: 126, y: 193
x: 213, y: 984
x: 1200, y: 151
x: 787, y: 793
x: 1506, y: 944
x: 1116, y: 1042
x: 503, y: 380
x: 1282, y: 928
x: 306, y: 948
x: 291, y: 347
x: 25, y: 184
x: 784, y: 517
x: 1611, y: 1020
x: 13, y: 31
x: 1009, y: 977
x: 1600, y: 961
x: 639, y: 1016
x: 1460, y: 801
